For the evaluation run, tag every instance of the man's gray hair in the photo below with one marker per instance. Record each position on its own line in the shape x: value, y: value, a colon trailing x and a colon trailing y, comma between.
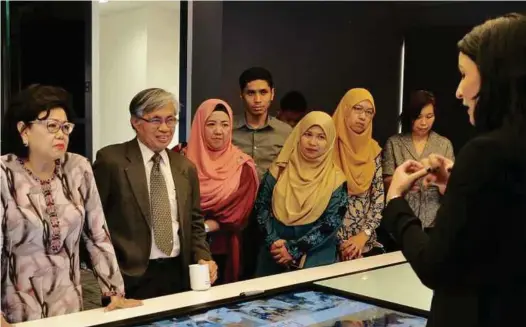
x: 152, y: 99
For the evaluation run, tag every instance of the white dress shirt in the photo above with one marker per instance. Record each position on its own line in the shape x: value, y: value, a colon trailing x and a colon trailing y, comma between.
x: 147, y: 155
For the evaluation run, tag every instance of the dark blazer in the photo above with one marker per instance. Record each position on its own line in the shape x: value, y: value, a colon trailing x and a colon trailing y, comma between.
x: 121, y: 180
x: 474, y: 257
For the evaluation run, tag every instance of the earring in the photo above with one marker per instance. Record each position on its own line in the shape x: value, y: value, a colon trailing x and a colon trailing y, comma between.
x: 25, y: 143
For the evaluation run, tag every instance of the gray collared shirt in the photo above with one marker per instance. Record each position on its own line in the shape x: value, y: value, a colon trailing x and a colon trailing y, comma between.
x: 263, y: 144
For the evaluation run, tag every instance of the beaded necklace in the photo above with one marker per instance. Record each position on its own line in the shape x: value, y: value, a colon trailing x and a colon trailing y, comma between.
x: 53, y: 243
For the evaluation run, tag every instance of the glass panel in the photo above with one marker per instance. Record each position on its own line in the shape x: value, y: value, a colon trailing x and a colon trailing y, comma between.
x: 397, y: 284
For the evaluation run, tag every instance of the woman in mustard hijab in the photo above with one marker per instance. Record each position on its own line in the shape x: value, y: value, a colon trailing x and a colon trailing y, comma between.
x: 301, y: 200
x: 359, y: 157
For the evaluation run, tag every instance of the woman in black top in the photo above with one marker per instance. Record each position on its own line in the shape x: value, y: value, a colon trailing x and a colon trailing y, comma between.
x: 473, y: 260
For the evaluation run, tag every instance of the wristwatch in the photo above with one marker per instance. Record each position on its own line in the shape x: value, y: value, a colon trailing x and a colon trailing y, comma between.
x: 207, y: 229
x: 368, y: 232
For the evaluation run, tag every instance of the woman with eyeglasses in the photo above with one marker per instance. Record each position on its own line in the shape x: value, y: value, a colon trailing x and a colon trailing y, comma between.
x: 49, y: 201
x: 358, y: 155
x: 416, y: 142
x: 301, y: 200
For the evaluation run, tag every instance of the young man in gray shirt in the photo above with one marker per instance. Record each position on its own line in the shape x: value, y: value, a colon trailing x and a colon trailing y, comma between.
x: 256, y: 132
x: 261, y: 136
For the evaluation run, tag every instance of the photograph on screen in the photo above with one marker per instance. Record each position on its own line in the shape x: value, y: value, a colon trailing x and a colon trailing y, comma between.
x: 310, y: 308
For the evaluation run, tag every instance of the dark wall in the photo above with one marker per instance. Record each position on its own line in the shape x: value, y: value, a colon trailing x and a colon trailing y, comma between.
x: 455, y: 13
x: 5, y: 76
x: 320, y: 49
x: 431, y: 64
x: 50, y: 43
x: 325, y: 48
x: 207, y: 44
x: 431, y: 56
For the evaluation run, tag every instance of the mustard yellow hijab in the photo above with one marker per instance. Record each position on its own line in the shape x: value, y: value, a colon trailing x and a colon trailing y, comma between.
x: 304, y: 186
x: 355, y: 153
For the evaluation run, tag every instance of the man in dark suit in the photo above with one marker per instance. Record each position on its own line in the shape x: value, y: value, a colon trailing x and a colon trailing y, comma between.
x: 151, y: 202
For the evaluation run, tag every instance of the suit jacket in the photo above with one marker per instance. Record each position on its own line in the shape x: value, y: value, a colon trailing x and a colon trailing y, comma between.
x: 473, y: 259
x: 121, y: 180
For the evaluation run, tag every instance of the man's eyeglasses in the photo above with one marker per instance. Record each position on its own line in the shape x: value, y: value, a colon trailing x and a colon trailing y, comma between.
x: 158, y: 121
x: 53, y: 126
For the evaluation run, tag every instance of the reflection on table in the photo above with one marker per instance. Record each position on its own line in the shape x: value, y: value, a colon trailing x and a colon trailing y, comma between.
x: 302, y: 308
x: 397, y: 284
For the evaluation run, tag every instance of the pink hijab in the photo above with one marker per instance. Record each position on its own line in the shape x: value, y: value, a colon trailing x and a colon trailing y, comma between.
x: 219, y: 171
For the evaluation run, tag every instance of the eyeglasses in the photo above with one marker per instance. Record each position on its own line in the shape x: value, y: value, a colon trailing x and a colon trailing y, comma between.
x: 158, y: 121
x: 360, y: 110
x: 53, y: 126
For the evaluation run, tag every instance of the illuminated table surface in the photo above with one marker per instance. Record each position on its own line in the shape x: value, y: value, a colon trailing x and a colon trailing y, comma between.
x: 389, y: 283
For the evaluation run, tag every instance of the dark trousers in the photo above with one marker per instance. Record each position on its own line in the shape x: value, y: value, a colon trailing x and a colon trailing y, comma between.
x: 251, y: 242
x: 162, y: 277
x: 221, y: 262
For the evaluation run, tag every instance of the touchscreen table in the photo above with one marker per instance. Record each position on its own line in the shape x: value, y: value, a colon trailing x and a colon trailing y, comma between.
x: 395, y: 284
x: 315, y: 307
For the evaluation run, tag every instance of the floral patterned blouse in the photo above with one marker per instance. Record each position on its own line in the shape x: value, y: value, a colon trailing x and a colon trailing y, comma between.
x: 41, y: 225
x: 365, y: 211
x: 322, y: 229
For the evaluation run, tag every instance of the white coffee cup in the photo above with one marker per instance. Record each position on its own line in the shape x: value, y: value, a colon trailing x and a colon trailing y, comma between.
x: 199, y: 277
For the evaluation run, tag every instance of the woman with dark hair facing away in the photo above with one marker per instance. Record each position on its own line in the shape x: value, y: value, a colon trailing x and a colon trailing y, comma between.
x: 416, y: 142
x: 228, y: 183
x: 473, y: 258
x: 49, y: 201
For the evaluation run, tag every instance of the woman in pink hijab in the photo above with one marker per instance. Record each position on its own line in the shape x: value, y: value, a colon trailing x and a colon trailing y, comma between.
x: 228, y: 182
